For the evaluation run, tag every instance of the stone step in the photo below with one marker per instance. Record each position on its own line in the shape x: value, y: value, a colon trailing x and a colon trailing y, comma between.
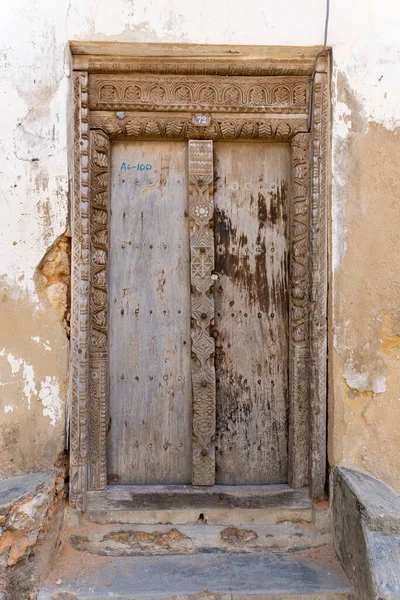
x: 128, y: 540
x: 308, y: 575
x: 184, y: 504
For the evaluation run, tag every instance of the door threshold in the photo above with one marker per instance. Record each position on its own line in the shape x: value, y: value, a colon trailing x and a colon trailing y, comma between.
x: 189, y: 504
x: 139, y: 497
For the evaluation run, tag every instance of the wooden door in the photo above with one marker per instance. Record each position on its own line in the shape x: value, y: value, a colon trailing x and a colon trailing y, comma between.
x: 251, y: 184
x: 149, y: 302
x: 151, y: 399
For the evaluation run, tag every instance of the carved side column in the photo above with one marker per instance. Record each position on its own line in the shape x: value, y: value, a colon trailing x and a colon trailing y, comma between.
x: 78, y: 388
x: 299, y: 313
x: 98, y: 379
x: 201, y: 210
x: 319, y: 282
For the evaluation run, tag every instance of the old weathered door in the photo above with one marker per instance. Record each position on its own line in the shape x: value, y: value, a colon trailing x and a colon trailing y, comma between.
x: 149, y: 304
x: 150, y: 437
x: 251, y: 311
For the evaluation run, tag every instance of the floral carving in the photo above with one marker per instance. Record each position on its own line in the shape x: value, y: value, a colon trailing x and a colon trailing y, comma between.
x: 257, y: 96
x: 207, y: 95
x: 157, y: 94
x: 98, y: 380
x: 108, y: 93
x: 181, y: 128
x: 132, y: 93
x: 252, y: 94
x: 281, y: 95
x: 183, y: 94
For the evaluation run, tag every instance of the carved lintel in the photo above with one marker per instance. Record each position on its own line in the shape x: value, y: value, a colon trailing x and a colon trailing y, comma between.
x: 299, y: 313
x: 240, y: 62
x: 319, y: 284
x: 78, y: 389
x: 199, y: 93
x: 201, y: 210
x: 153, y: 126
x: 98, y: 378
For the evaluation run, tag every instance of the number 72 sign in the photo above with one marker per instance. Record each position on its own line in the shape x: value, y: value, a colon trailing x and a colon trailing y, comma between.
x: 201, y: 119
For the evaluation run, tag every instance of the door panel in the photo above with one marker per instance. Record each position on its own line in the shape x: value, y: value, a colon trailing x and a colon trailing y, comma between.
x: 150, y: 438
x: 251, y: 185
x: 149, y: 291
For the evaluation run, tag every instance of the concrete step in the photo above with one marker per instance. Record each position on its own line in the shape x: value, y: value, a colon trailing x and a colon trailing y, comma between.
x: 306, y: 575
x: 128, y: 540
x: 184, y: 504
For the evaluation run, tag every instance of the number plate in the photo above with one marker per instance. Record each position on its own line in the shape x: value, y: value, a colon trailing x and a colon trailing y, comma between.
x: 201, y: 119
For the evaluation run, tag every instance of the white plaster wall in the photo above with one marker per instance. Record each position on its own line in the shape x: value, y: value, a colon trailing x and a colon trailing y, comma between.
x: 34, y: 72
x: 34, y: 88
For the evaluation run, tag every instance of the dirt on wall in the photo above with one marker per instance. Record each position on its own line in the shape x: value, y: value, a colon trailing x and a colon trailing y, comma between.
x: 365, y: 329
x: 33, y: 366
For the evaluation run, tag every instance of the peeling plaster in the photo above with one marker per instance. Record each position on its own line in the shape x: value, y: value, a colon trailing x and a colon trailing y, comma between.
x: 362, y: 382
x: 45, y: 344
x: 49, y: 394
x: 15, y: 363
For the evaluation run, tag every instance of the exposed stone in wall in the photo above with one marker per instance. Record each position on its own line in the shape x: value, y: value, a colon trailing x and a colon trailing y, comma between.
x: 54, y: 277
x: 29, y: 506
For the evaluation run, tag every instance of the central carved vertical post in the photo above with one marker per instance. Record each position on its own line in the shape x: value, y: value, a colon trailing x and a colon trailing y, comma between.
x: 201, y: 210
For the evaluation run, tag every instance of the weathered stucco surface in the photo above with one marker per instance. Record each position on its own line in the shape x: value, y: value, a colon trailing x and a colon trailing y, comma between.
x: 34, y: 185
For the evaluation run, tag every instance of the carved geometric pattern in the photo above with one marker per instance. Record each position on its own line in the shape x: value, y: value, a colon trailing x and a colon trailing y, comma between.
x: 299, y: 312
x: 78, y: 389
x: 98, y: 379
x: 135, y: 92
x: 319, y: 284
x: 201, y: 210
x: 182, y: 128
x: 299, y: 250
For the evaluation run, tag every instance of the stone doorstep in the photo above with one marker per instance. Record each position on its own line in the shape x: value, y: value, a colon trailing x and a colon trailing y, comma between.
x: 294, y: 576
x: 127, y: 540
x: 212, y: 516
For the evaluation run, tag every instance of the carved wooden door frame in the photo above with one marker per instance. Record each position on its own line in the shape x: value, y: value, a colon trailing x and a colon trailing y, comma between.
x: 251, y: 95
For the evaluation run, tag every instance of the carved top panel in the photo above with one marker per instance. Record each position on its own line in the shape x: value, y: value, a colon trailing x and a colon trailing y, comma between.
x: 194, y: 93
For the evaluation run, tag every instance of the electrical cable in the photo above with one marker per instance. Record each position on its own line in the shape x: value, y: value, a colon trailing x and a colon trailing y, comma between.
x: 326, y: 23
x: 310, y: 99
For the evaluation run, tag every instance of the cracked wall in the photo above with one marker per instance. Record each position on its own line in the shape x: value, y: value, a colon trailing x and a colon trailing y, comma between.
x: 364, y: 247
